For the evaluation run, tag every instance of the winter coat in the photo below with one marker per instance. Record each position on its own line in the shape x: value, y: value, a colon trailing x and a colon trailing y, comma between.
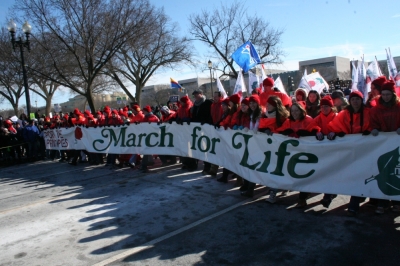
x: 201, y: 113
x: 216, y: 112
x: 304, y: 127
x: 322, y: 121
x: 342, y: 122
x: 150, y: 117
x: 385, y: 118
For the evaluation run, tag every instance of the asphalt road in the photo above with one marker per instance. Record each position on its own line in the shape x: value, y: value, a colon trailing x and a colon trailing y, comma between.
x: 53, y: 213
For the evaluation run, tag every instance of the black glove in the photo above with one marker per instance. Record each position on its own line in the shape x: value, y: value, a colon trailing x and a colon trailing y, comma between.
x: 170, y: 121
x: 331, y: 137
x: 366, y: 133
x: 287, y: 132
x: 304, y: 133
x: 268, y: 132
x: 341, y: 134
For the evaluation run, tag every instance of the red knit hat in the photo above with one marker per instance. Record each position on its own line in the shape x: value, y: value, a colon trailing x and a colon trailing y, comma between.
x: 255, y: 98
x: 147, y: 108
x: 98, y: 113
x: 77, y: 112
x: 388, y: 86
x: 268, y: 82
x: 136, y: 107
x: 226, y: 101
x: 327, y: 100
x: 379, y: 81
x: 107, y: 109
x: 302, y: 104
x: 184, y: 99
x: 246, y: 101
x: 114, y: 111
x: 356, y: 94
x: 87, y: 112
x: 235, y: 98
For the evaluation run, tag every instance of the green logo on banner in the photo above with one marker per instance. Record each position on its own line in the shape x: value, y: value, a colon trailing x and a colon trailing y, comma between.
x: 389, y: 173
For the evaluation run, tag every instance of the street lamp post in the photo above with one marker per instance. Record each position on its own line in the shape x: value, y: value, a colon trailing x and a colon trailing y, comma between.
x: 210, y: 67
x: 26, y: 28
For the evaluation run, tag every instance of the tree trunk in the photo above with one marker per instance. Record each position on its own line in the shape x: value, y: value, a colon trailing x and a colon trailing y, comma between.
x: 48, y: 105
x: 15, y: 107
x: 89, y: 99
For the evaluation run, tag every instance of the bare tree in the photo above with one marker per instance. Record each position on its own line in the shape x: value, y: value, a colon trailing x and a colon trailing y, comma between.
x: 11, y: 84
x: 226, y: 28
x: 158, y: 49
x: 87, y: 32
x: 160, y: 95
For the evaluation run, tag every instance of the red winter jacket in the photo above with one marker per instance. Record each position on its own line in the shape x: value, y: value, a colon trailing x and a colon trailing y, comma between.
x: 151, y: 118
x: 307, y: 124
x: 385, y: 118
x: 342, y: 122
x: 322, y: 121
x: 216, y: 111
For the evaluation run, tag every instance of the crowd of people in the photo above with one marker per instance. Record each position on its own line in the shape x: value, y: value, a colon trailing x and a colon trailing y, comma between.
x: 267, y: 110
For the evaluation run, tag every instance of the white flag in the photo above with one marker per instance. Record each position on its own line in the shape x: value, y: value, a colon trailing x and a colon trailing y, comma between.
x: 239, y: 86
x: 362, y: 76
x: 304, y: 84
x: 305, y: 72
x: 263, y: 76
x: 316, y: 82
x: 278, y: 84
x: 391, y: 65
x: 221, y: 89
x: 354, y: 77
x: 373, y: 70
x: 253, y: 81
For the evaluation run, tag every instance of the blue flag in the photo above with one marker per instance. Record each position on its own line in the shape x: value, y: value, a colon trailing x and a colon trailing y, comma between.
x: 246, y: 56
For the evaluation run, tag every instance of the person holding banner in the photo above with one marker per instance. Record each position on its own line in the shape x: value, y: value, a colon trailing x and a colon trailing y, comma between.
x: 354, y: 119
x: 327, y: 114
x: 201, y: 113
x: 216, y: 115
x: 255, y: 115
x: 299, y: 124
x: 385, y: 117
x: 276, y: 114
x: 229, y: 110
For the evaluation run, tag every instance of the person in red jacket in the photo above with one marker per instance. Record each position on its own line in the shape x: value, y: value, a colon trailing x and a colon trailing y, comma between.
x: 276, y: 114
x: 228, y: 111
x: 268, y: 85
x: 274, y: 117
x: 216, y: 108
x: 327, y: 114
x: 183, y: 112
x: 385, y: 117
x: 167, y: 114
x: 375, y: 91
x: 354, y: 119
x: 149, y: 116
x: 299, y: 124
x: 138, y: 114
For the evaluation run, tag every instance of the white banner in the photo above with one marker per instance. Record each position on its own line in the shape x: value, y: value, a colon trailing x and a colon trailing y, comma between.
x: 356, y: 165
